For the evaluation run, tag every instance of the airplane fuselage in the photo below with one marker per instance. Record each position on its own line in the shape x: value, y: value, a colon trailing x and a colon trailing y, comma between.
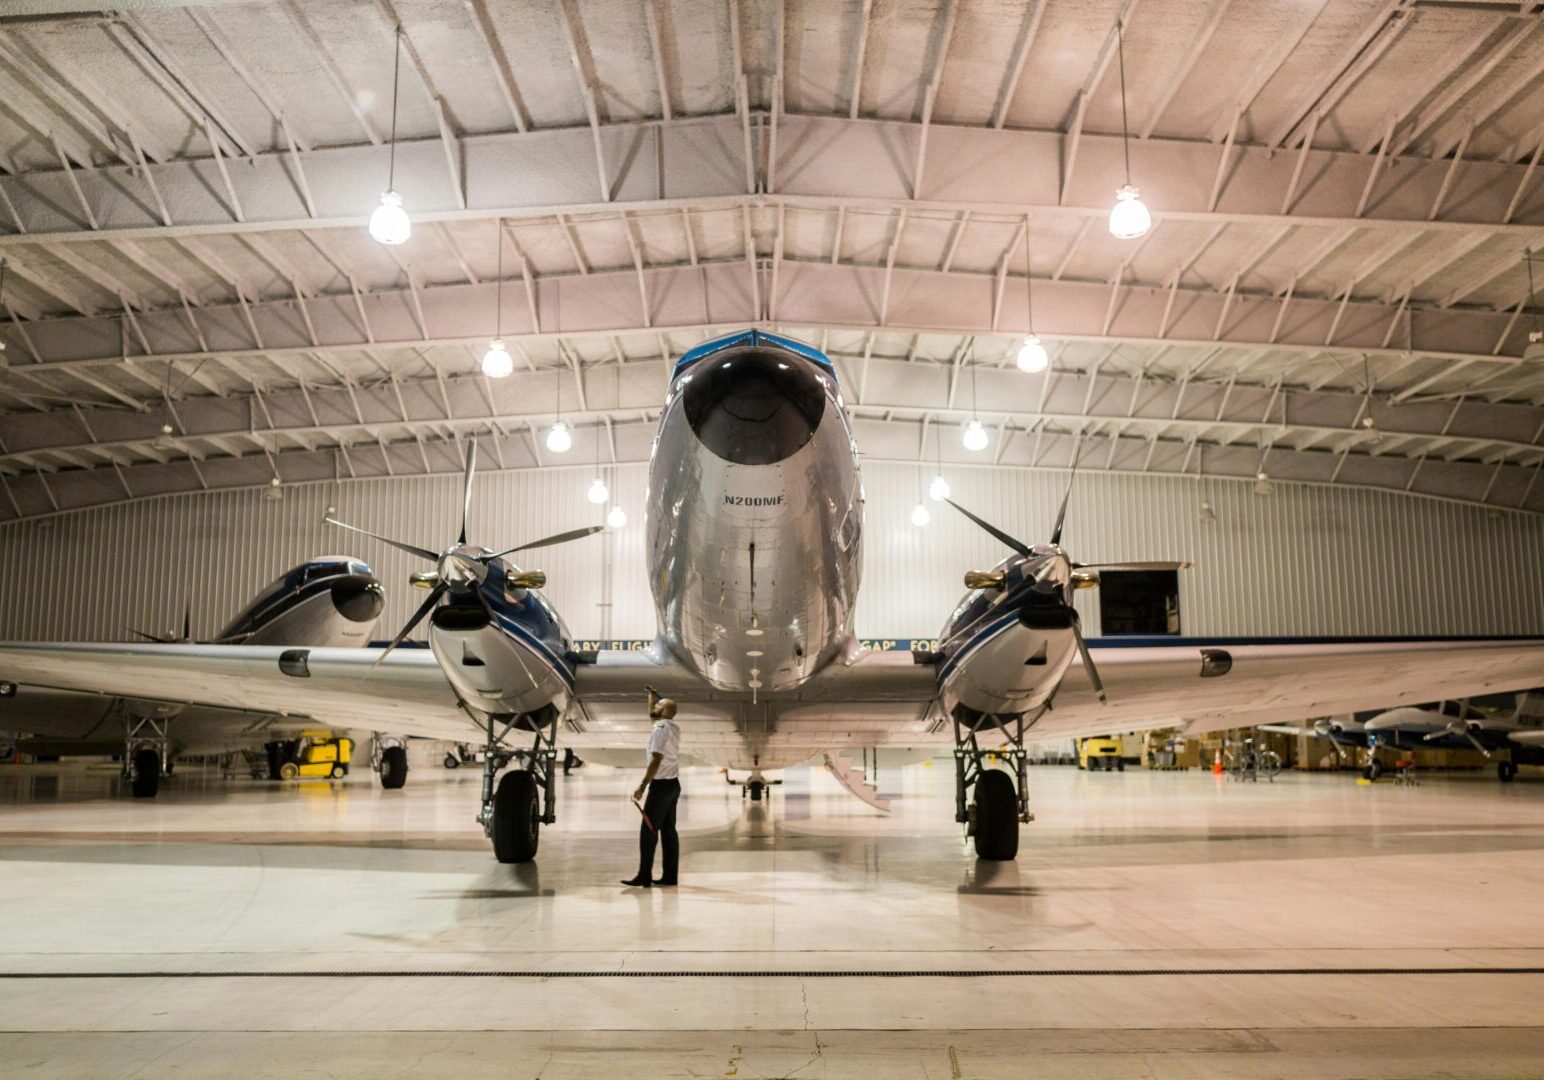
x: 755, y: 514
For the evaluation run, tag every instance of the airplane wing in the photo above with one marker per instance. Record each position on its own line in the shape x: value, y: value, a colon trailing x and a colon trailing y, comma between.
x: 335, y: 687
x: 1206, y: 686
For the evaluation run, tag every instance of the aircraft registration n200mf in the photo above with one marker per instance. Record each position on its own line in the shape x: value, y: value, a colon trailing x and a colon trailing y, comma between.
x: 755, y: 522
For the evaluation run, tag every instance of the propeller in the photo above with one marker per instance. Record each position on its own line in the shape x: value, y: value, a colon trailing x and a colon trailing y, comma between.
x: 167, y: 639
x: 1460, y: 729
x: 461, y: 567
x: 991, y: 581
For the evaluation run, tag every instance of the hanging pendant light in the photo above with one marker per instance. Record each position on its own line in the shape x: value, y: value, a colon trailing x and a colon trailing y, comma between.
x: 390, y: 224
x: 274, y: 491
x: 1129, y: 218
x: 598, y: 492
x: 559, y: 441
x: 1032, y: 355
x: 938, y: 490
x: 165, y: 439
x: 975, y: 437
x: 496, y: 362
x: 920, y: 515
x: 1208, y: 516
x: 617, y: 517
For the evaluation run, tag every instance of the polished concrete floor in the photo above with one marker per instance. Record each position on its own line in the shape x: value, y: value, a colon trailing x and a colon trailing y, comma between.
x: 1155, y: 924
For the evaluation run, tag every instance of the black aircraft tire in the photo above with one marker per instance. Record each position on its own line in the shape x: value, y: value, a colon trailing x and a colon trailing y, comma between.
x: 147, y: 774
x: 755, y: 788
x: 452, y: 761
x: 997, y: 817
x: 1120, y: 764
x: 393, y: 767
x: 1506, y: 771
x: 516, y: 818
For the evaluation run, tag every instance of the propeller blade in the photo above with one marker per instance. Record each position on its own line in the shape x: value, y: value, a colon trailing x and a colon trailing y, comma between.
x: 1017, y: 545
x: 422, y: 553
x: 1061, y: 515
x: 187, y: 623
x: 548, y: 541
x: 418, y: 616
x: 1475, y: 742
x: 157, y: 638
x: 1156, y: 564
x: 466, y: 493
x: 1088, y: 664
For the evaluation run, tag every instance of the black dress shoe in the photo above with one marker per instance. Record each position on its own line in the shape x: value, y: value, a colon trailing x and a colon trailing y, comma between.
x: 667, y: 883
x: 638, y: 883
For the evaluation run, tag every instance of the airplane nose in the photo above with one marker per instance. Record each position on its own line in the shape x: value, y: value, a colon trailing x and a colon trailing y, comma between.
x: 358, y: 597
x: 754, y: 406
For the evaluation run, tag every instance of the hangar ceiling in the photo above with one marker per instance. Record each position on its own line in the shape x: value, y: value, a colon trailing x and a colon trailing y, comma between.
x: 1334, y: 288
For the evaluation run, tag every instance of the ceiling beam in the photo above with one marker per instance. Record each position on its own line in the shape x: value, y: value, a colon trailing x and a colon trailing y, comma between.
x: 855, y: 162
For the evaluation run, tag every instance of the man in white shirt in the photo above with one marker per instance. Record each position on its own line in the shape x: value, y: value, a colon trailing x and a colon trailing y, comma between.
x: 662, y: 783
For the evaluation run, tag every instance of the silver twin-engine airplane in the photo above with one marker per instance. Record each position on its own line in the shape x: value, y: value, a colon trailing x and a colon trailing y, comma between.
x: 755, y: 521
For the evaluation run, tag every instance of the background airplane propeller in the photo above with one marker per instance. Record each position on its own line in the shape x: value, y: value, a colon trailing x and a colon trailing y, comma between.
x: 460, y: 567
x: 167, y: 639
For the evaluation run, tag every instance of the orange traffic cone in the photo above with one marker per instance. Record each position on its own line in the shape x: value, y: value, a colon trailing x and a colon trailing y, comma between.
x: 1217, y: 763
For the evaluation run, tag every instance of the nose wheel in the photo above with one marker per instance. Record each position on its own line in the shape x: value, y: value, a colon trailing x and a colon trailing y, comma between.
x: 524, y: 799
x: 990, y: 802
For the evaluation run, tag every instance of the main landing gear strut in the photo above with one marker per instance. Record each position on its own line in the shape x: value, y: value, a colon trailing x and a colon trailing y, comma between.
x: 1000, y: 800
x: 524, y: 799
x: 146, y: 753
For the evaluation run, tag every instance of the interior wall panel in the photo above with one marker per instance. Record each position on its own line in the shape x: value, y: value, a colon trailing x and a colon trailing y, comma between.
x: 1302, y: 560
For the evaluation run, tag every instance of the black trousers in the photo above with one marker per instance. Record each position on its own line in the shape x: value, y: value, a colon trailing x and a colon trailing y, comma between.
x: 660, y: 805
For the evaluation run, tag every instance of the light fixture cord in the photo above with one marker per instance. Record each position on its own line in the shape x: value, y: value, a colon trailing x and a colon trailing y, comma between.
x: 1029, y: 278
x: 396, y: 78
x: 1125, y: 134
x: 970, y: 354
x: 498, y: 288
x: 1533, y: 297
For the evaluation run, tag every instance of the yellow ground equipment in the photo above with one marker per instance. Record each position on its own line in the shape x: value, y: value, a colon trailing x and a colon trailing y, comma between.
x: 314, y: 754
x: 1100, y: 753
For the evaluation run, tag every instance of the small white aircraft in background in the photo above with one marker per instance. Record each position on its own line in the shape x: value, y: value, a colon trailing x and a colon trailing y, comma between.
x: 754, y: 540
x: 1511, y: 724
x: 331, y: 601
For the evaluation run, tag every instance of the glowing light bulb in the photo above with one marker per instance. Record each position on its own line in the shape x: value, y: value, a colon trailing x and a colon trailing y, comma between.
x: 164, y: 440
x: 496, y: 362
x: 1032, y: 355
x: 1129, y: 218
x: 975, y: 437
x: 598, y: 492
x: 559, y: 441
x: 920, y: 516
x: 617, y: 518
x: 939, y: 488
x: 389, y: 224
x: 274, y: 491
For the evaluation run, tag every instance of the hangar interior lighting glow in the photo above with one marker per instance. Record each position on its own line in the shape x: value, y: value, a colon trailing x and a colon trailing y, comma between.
x: 920, y: 515
x: 1032, y: 355
x: 598, y: 492
x: 389, y: 223
x: 496, y: 362
x: 559, y: 441
x: 1129, y: 218
x: 939, y: 488
x: 975, y: 437
x: 617, y: 517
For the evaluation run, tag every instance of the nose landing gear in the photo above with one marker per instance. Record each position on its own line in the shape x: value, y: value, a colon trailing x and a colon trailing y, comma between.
x: 998, y: 800
x: 146, y: 754
x: 524, y: 799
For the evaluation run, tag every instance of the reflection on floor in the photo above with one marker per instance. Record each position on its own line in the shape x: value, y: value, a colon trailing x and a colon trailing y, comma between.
x: 383, y: 925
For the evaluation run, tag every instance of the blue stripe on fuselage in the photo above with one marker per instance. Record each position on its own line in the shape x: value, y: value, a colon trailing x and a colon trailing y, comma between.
x: 754, y: 337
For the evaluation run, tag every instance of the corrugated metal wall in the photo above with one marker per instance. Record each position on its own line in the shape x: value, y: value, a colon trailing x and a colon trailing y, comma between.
x: 1302, y: 560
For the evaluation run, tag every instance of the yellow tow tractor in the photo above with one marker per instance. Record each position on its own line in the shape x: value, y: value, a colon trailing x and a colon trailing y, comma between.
x: 1100, y: 753
x: 314, y: 754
